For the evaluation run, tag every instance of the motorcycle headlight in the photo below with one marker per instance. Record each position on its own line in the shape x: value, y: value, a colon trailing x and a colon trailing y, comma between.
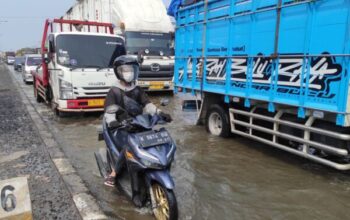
x: 151, y: 164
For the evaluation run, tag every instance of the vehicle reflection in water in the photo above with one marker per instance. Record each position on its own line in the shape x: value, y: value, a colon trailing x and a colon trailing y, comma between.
x: 216, y: 178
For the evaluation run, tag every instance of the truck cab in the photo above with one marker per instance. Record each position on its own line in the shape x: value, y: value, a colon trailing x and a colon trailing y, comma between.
x: 77, y: 70
x: 146, y: 28
x: 157, y: 70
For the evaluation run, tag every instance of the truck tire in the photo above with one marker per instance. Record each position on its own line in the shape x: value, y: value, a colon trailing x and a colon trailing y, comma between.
x: 50, y: 98
x: 61, y: 114
x: 218, y: 122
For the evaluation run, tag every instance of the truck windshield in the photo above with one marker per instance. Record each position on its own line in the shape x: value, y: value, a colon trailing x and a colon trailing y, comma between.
x: 79, y: 51
x: 33, y: 61
x: 154, y: 43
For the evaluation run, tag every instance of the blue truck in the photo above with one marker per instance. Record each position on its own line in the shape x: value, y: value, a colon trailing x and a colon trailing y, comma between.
x: 276, y: 71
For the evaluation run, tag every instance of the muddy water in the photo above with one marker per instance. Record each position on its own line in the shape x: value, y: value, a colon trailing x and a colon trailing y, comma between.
x: 216, y: 178
x: 220, y: 178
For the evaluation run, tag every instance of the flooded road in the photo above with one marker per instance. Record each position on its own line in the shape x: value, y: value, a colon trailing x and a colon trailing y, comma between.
x: 215, y: 178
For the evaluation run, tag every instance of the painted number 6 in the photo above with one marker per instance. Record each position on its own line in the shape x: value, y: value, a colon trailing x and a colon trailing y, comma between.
x: 8, y: 200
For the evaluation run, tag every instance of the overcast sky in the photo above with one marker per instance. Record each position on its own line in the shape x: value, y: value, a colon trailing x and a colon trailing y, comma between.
x: 22, y: 21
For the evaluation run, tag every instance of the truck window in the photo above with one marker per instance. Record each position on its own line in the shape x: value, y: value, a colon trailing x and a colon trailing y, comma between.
x: 88, y: 51
x: 153, y: 42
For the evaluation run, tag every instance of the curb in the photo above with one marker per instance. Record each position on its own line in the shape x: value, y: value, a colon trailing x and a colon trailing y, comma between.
x: 85, y: 203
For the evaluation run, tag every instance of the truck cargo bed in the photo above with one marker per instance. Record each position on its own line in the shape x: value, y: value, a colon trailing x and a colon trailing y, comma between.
x: 286, y: 52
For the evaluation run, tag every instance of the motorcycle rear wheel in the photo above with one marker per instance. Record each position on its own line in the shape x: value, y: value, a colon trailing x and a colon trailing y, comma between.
x: 164, y: 203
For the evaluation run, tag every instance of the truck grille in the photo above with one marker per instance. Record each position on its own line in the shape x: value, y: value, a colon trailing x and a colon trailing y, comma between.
x: 91, y: 92
x: 160, y: 74
x: 163, y: 72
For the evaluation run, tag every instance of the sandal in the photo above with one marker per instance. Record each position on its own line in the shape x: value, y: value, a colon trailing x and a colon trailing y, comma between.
x: 110, y: 181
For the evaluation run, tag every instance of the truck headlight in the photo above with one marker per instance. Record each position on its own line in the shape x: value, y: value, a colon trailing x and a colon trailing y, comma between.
x: 66, y: 95
x: 66, y: 90
x: 65, y: 85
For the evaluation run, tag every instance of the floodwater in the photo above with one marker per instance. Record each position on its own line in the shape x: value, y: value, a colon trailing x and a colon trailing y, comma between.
x: 215, y: 178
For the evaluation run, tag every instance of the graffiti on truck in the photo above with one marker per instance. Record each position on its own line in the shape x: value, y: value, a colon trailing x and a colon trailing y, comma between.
x: 294, y: 73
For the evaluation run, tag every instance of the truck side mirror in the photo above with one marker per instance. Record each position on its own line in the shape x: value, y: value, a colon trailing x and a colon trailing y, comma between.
x: 51, y: 44
x: 47, y: 59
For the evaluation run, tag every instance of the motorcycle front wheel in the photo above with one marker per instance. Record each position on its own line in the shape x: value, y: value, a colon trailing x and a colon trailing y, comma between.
x: 164, y: 203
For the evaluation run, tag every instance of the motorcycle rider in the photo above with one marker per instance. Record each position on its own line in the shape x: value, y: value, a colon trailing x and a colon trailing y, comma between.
x: 130, y: 97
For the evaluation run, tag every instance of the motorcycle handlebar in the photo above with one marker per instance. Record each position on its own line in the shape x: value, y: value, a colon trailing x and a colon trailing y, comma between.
x: 127, y: 123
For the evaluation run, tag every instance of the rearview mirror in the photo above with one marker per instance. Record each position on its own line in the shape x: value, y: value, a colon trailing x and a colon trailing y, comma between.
x: 52, y: 44
x: 140, y: 57
x: 47, y: 60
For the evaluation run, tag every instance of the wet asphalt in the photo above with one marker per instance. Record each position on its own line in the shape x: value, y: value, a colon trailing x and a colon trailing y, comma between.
x: 215, y: 178
x: 22, y: 153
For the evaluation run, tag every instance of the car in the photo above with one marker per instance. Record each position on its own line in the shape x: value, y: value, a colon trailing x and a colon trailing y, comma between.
x: 31, y: 62
x: 10, y: 60
x: 19, y: 62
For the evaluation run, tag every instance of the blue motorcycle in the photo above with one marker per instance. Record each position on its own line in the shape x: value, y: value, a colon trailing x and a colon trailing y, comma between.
x: 149, y: 153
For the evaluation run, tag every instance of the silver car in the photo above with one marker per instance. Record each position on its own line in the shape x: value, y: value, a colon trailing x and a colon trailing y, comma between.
x: 32, y: 61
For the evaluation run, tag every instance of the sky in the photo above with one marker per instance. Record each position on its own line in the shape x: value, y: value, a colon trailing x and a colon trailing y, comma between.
x: 22, y: 21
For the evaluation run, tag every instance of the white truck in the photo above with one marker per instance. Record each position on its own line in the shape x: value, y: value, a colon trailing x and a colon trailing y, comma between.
x: 76, y: 71
x: 147, y: 29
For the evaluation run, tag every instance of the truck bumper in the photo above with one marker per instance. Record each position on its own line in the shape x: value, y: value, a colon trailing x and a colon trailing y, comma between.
x: 81, y: 105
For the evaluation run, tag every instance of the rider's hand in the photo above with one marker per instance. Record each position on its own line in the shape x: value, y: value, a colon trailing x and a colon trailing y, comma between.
x: 114, y: 124
x: 166, y: 117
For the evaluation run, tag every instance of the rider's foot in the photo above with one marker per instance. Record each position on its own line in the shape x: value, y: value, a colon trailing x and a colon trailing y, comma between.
x: 137, y: 201
x: 110, y: 181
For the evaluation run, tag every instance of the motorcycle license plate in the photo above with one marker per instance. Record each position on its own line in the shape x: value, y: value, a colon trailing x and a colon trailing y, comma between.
x: 152, y: 138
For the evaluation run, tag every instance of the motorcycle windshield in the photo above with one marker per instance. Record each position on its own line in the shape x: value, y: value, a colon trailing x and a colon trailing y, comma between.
x: 146, y: 121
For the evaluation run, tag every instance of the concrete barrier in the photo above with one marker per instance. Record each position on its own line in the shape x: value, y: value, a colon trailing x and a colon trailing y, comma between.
x: 15, y: 199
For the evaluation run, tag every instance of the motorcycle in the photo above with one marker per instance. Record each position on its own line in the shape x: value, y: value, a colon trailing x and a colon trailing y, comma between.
x: 149, y: 153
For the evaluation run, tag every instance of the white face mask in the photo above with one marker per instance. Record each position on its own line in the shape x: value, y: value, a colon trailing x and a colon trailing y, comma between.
x: 128, y: 76
x: 127, y: 72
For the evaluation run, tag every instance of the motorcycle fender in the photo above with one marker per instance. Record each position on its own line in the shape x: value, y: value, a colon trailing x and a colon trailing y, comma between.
x: 162, y: 177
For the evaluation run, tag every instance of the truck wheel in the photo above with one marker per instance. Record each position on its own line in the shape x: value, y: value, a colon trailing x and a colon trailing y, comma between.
x: 53, y: 106
x: 60, y: 113
x: 218, y: 122
x: 38, y: 98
